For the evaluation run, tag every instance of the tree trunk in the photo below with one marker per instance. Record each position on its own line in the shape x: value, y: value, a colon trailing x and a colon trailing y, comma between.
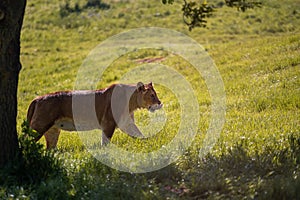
x: 11, y: 18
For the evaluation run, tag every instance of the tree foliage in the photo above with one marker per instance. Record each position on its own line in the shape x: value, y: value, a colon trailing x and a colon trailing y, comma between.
x: 195, y: 13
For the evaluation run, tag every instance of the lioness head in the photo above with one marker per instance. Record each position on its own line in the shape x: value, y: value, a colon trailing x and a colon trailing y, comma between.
x: 147, y: 97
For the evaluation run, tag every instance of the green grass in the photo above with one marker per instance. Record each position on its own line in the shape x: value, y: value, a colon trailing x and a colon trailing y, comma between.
x: 258, y: 56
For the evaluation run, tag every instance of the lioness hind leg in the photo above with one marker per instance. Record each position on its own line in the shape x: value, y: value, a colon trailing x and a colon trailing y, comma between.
x: 51, y: 137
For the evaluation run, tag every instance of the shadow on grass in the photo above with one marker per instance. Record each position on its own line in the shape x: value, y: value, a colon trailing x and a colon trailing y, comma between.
x: 273, y: 174
x: 40, y: 174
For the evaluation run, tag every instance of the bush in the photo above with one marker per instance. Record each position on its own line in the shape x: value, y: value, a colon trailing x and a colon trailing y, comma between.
x: 66, y: 8
x: 34, y: 165
x: 97, y: 4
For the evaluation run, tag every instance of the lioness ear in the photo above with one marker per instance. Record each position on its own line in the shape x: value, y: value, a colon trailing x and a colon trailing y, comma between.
x: 150, y: 84
x: 140, y: 86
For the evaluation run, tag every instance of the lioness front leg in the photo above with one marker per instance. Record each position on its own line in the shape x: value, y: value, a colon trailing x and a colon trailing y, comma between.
x: 104, y: 140
x: 107, y: 135
x: 128, y: 126
x: 132, y: 130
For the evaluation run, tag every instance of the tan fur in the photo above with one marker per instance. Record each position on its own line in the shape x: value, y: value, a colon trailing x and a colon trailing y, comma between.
x: 114, y: 107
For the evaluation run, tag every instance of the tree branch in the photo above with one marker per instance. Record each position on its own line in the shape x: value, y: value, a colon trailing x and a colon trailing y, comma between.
x: 195, y: 13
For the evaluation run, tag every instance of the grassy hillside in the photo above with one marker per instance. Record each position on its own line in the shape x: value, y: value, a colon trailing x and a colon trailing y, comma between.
x: 258, y: 56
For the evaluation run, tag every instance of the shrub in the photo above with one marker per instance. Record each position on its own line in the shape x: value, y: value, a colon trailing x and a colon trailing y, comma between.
x: 97, y: 4
x: 33, y: 165
x: 66, y: 8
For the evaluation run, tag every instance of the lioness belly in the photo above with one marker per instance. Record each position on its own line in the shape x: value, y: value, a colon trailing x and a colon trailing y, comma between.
x: 67, y: 124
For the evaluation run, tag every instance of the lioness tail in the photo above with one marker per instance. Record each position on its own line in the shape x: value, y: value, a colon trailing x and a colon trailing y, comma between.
x: 31, y: 111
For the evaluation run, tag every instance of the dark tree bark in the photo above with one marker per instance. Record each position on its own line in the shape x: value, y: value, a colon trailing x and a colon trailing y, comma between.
x: 11, y: 19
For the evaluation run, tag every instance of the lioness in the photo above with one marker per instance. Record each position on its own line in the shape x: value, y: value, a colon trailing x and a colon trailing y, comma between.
x: 73, y: 110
